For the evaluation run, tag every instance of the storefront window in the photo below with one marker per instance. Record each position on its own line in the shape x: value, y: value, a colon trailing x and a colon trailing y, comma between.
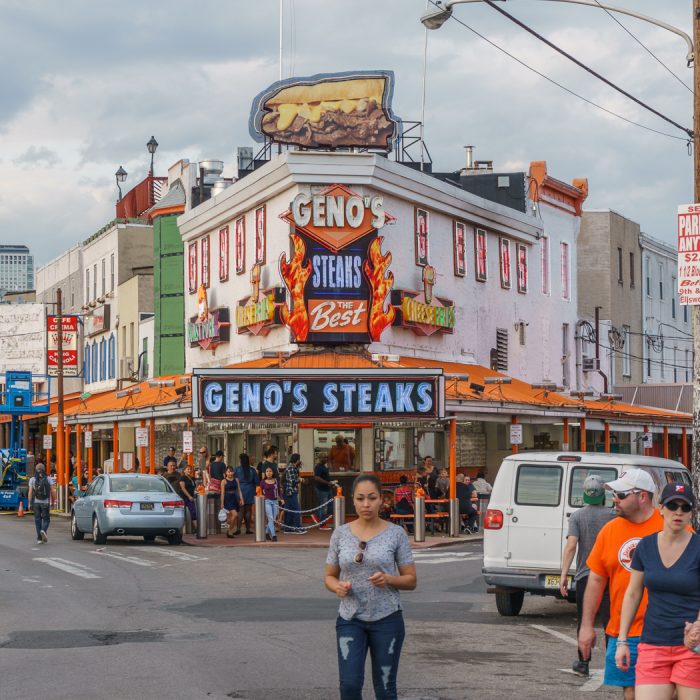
x: 395, y: 449
x: 430, y: 443
x: 341, y: 447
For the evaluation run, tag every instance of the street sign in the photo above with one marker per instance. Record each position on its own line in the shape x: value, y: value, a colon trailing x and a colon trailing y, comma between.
x: 187, y: 441
x: 516, y: 434
x: 127, y: 461
x: 70, y: 346
x: 647, y: 441
x: 88, y: 438
x: 48, y: 442
x: 689, y: 254
x: 141, y: 437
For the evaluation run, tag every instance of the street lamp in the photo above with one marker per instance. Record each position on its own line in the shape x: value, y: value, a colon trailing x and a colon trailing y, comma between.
x: 121, y: 176
x: 435, y: 18
x: 151, y: 146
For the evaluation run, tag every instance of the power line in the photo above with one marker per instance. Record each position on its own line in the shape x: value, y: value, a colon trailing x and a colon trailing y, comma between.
x: 645, y: 47
x: 559, y: 85
x: 594, y: 73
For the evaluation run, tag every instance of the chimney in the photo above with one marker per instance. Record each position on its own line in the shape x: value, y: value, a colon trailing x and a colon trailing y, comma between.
x: 470, y: 160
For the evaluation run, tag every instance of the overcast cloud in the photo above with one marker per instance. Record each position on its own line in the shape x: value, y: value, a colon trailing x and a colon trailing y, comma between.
x: 86, y: 84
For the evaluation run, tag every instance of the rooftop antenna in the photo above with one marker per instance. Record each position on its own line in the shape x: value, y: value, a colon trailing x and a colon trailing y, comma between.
x: 281, y: 28
x: 422, y: 116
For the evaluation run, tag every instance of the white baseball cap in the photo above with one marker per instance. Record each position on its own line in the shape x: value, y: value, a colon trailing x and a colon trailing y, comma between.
x: 632, y: 479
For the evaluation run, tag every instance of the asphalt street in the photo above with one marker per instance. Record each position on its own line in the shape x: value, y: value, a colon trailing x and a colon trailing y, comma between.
x: 132, y: 620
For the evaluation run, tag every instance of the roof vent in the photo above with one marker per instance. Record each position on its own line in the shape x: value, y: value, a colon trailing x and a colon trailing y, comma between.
x: 210, y: 170
x: 219, y: 186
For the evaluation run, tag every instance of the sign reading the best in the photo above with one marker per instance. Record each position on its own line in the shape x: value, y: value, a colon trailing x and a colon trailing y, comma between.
x: 689, y: 254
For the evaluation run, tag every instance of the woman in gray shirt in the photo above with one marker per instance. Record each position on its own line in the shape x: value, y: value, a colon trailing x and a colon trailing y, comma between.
x: 369, y: 561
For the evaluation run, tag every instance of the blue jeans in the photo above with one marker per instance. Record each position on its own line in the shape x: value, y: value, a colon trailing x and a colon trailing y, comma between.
x: 292, y: 521
x: 324, y: 511
x: 42, y: 517
x: 384, y: 639
x: 271, y: 508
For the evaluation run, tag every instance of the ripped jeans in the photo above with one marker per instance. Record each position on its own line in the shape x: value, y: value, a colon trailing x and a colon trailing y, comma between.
x: 384, y: 639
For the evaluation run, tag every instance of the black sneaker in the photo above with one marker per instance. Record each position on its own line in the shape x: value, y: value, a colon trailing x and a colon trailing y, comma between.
x: 580, y: 668
x: 274, y: 539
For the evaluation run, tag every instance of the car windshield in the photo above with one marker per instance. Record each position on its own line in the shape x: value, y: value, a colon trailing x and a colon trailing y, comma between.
x: 138, y: 483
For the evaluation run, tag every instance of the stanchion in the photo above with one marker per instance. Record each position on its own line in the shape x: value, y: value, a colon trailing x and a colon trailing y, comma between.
x: 338, y: 509
x: 202, y: 516
x: 419, y: 518
x: 259, y: 517
x: 454, y: 517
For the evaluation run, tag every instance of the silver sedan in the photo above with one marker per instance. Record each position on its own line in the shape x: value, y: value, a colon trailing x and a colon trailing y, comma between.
x: 129, y: 504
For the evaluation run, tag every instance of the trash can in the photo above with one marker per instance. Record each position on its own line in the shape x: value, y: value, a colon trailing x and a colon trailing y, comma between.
x: 213, y: 524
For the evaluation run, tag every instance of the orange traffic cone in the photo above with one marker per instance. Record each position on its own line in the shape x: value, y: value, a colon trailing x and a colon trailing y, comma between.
x: 20, y: 510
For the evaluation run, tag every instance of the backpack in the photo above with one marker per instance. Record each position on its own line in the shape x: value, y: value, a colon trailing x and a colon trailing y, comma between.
x: 42, y: 488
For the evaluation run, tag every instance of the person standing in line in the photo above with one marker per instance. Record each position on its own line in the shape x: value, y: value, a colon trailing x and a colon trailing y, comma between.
x: 269, y: 459
x: 39, y: 499
x: 610, y: 563
x: 291, y: 480
x: 186, y: 489
x: 271, y: 490
x: 232, y: 501
x: 584, y: 526
x: 53, y: 480
x: 248, y: 481
x: 203, y: 460
x: 217, y: 469
x: 170, y: 455
x: 369, y: 561
x: 667, y: 564
x: 323, y: 485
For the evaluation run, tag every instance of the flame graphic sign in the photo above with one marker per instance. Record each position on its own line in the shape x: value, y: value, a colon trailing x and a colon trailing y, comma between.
x: 380, y: 284
x: 295, y: 275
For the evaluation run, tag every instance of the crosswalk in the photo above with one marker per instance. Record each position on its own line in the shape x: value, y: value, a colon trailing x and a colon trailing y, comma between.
x: 161, y: 557
x: 445, y: 557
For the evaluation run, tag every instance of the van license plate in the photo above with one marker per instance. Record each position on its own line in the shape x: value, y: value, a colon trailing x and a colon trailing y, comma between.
x: 555, y: 581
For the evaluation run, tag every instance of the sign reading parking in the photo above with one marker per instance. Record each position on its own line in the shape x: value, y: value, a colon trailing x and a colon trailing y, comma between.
x: 689, y: 254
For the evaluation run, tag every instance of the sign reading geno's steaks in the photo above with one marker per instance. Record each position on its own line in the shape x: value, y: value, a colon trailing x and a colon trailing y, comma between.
x: 319, y: 397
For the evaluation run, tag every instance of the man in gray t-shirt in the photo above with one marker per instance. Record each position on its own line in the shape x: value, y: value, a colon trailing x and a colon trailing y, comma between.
x: 584, y: 526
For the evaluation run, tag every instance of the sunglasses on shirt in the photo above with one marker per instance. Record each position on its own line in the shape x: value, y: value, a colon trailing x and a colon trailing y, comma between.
x: 360, y: 556
x: 673, y: 506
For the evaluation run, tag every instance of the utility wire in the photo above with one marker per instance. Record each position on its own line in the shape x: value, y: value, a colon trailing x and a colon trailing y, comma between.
x: 645, y: 47
x: 594, y: 73
x: 559, y: 85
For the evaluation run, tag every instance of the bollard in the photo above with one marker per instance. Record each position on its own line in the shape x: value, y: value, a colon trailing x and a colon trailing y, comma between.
x: 419, y: 519
x: 338, y: 510
x: 202, y: 516
x: 260, y: 518
x: 455, y: 520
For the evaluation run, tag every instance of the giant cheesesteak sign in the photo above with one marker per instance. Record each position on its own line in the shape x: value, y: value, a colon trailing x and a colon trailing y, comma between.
x: 240, y: 394
x: 337, y: 276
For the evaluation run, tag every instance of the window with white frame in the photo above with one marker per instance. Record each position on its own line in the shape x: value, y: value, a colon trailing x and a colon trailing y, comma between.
x: 87, y: 285
x: 661, y: 281
x: 544, y: 257
x: 687, y: 362
x: 673, y: 297
x: 104, y: 276
x: 565, y: 272
x: 647, y: 275
x: 111, y: 267
x: 626, y: 356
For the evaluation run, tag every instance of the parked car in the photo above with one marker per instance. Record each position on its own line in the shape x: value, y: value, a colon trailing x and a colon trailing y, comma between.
x: 526, y: 523
x: 128, y: 504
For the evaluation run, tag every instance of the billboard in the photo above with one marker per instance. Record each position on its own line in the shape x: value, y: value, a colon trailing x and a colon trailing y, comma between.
x: 328, y: 110
x: 23, y: 338
x: 69, y: 345
x: 689, y: 254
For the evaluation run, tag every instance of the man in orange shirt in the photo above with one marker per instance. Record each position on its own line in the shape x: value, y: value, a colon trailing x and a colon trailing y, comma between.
x: 609, y: 562
x: 342, y: 455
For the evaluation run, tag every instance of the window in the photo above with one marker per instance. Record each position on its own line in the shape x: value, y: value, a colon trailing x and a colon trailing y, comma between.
x: 94, y: 281
x: 626, y: 357
x: 544, y: 260
x: 619, y: 265
x: 538, y: 486
x: 565, y: 353
x: 86, y: 365
x: 687, y: 363
x: 632, y: 270
x: 103, y: 360
x: 685, y: 314
x: 521, y: 332
x: 661, y: 281
x: 87, y: 285
x: 580, y: 474
x: 430, y: 443
x: 673, y: 297
x: 647, y: 276
x: 104, y: 276
x: 501, y: 358
x: 648, y: 363
x: 111, y: 267
x: 675, y: 365
x: 112, y: 356
x: 325, y: 441
x: 144, y: 350
x: 93, y: 357
x: 131, y: 341
x: 565, y: 277
x: 395, y: 449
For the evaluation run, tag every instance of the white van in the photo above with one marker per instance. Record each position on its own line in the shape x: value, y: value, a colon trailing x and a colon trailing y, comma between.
x: 526, y: 523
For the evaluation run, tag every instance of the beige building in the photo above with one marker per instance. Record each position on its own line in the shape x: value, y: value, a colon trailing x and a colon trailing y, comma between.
x: 135, y: 303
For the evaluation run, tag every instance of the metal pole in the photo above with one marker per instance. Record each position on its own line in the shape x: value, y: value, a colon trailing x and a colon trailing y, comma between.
x: 259, y: 518
x: 338, y: 510
x: 201, y: 499
x: 61, y: 468
x: 454, y: 517
x: 419, y: 519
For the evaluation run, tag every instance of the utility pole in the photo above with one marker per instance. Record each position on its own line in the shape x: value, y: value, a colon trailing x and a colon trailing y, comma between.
x: 695, y: 310
x: 62, y: 469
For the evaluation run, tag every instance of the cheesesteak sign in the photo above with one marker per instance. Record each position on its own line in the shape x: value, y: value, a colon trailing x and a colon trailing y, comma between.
x: 233, y: 394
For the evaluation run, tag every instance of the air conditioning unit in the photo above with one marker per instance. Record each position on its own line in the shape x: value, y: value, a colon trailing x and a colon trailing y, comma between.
x: 590, y: 364
x: 126, y: 367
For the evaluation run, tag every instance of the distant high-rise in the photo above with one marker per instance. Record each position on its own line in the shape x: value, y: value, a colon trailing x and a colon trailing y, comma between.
x: 16, y: 268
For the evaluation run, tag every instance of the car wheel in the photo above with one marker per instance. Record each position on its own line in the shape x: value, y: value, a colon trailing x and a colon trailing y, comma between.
x: 97, y: 535
x: 75, y: 533
x: 149, y: 538
x: 175, y: 539
x: 509, y: 603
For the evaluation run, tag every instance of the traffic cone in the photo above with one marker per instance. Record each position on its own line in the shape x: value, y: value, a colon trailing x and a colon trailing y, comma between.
x: 20, y: 510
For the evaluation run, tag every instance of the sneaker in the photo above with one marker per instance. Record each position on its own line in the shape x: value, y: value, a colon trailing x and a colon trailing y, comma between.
x: 297, y: 532
x: 267, y: 537
x: 43, y: 537
x: 274, y: 539
x: 40, y: 541
x: 580, y: 668
x: 325, y: 527
x: 314, y: 517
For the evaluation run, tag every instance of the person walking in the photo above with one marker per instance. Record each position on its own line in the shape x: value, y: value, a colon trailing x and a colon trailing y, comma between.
x: 271, y: 490
x: 667, y: 565
x: 369, y: 561
x: 187, y: 489
x: 39, y: 499
x: 232, y: 501
x: 292, y: 480
x: 609, y: 563
x: 248, y: 480
x: 323, y: 485
x: 584, y: 526
x: 216, y: 469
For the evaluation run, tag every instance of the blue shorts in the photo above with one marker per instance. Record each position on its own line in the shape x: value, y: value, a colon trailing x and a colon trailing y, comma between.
x: 614, y: 675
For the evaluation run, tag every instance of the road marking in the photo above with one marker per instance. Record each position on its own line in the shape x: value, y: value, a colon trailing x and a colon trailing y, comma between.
x: 123, y: 557
x: 445, y: 558
x: 595, y: 679
x: 70, y: 567
x: 182, y: 556
x: 421, y: 554
x: 555, y: 633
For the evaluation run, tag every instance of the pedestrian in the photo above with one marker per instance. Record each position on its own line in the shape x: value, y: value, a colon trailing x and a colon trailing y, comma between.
x: 271, y: 490
x: 369, y: 561
x: 170, y: 455
x: 248, y: 481
x: 291, y: 481
x: 342, y: 455
x: 39, y: 499
x: 184, y: 461
x: 53, y: 480
x: 171, y: 475
x: 465, y: 492
x: 232, y: 501
x: 323, y: 485
x: 270, y: 456
x: 431, y: 469
x: 217, y: 468
x: 442, y: 484
x: 609, y: 563
x: 667, y: 564
x: 186, y: 489
x: 483, y: 488
x: 203, y: 461
x: 403, y: 497
x: 584, y: 526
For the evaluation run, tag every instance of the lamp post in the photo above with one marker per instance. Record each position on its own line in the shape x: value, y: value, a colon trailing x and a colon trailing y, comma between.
x: 151, y: 146
x: 120, y: 176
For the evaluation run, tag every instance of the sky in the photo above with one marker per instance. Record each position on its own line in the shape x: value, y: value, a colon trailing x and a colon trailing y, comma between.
x: 86, y: 84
